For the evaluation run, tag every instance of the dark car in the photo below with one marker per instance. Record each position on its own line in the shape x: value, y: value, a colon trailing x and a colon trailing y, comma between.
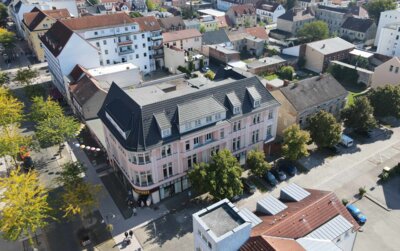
x: 367, y: 134
x: 271, y: 179
x: 334, y: 149
x: 356, y: 213
x: 28, y: 163
x: 279, y: 174
x: 288, y: 167
x: 248, y: 186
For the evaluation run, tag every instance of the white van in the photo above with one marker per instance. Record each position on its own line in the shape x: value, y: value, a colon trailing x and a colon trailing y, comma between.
x: 346, y: 141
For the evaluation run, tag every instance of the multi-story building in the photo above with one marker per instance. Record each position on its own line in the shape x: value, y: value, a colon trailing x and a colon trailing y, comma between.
x: 302, y: 100
x: 358, y: 29
x: 242, y: 15
x: 269, y: 11
x: 208, y: 22
x: 92, y: 41
x: 293, y: 221
x: 387, y: 73
x: 224, y: 5
x: 38, y: 22
x: 19, y: 7
x: 334, y: 16
x: 386, y: 18
x: 293, y: 20
x: 155, y: 134
x: 388, y: 43
x: 183, y: 39
x: 318, y: 54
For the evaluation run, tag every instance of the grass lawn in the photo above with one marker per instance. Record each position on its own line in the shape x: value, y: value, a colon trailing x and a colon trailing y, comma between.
x: 352, y: 96
x: 271, y: 77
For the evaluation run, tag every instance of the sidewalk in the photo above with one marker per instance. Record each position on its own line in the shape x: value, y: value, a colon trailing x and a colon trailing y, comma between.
x: 109, y: 210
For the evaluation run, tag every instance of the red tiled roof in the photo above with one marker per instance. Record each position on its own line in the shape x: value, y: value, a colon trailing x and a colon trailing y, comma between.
x: 36, y: 16
x: 301, y: 218
x: 84, y: 89
x: 148, y: 23
x: 181, y: 34
x: 258, y: 32
x: 90, y: 22
x: 77, y: 72
x: 269, y: 243
x: 243, y: 9
x: 223, y: 21
x: 56, y: 37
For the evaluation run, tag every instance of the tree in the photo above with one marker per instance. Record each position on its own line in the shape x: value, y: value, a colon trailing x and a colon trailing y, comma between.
x: 295, y: 142
x: 56, y: 130
x: 25, y: 209
x: 4, y: 78
x: 375, y: 7
x: 314, y: 31
x: 247, y: 23
x: 11, y: 109
x: 7, y: 38
x: 150, y: 5
x: 11, y: 141
x: 385, y: 101
x: 42, y: 109
x: 286, y: 72
x: 209, y: 74
x: 257, y: 164
x: 25, y: 76
x: 360, y: 62
x: 134, y: 14
x: 3, y: 14
x: 359, y: 115
x: 202, y: 28
x: 221, y: 177
x: 324, y: 129
x: 79, y: 197
x: 344, y: 74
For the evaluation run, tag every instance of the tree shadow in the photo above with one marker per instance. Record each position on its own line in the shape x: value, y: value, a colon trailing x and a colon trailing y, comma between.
x: 391, y: 191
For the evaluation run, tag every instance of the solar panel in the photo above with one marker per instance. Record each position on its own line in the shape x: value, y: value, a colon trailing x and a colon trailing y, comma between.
x: 293, y: 192
x: 270, y: 205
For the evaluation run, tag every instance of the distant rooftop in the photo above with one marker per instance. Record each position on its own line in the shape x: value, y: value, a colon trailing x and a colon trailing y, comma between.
x: 331, y: 45
x: 111, y: 69
x: 212, y: 12
x: 222, y: 219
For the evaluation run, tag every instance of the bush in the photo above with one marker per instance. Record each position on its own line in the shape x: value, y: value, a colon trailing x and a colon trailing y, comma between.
x: 362, y: 191
x: 209, y: 74
x: 183, y: 69
x: 345, y: 201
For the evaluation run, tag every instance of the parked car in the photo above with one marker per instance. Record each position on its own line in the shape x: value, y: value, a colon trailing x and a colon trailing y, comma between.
x: 279, y: 174
x: 271, y: 179
x: 288, y: 167
x: 248, y: 186
x: 346, y: 141
x: 334, y: 149
x: 205, y: 69
x: 367, y: 134
x: 356, y: 213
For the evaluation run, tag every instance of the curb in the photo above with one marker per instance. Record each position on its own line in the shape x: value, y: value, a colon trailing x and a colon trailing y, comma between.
x: 377, y: 202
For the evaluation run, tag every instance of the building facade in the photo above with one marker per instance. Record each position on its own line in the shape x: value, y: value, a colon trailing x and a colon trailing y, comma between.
x: 387, y: 73
x: 332, y: 15
x: 357, y: 29
x: 386, y: 18
x: 388, y: 43
x: 242, y: 15
x: 38, y: 22
x: 269, y: 11
x: 167, y: 132
x: 293, y: 20
x: 183, y: 39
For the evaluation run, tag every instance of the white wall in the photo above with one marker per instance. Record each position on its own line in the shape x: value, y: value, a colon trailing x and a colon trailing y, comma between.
x: 389, y: 40
x: 387, y: 17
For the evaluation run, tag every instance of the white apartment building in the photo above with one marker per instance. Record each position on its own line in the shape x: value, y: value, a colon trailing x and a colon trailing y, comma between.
x: 93, y: 41
x: 389, y: 40
x: 386, y: 18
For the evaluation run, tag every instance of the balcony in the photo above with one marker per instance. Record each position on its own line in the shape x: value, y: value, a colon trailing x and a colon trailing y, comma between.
x: 120, y: 53
x: 156, y: 37
x: 126, y: 42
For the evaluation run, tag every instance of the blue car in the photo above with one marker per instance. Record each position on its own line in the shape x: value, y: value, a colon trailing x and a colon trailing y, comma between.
x: 271, y: 179
x: 356, y: 213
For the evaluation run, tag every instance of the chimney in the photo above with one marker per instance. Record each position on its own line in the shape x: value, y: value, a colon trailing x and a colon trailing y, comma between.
x: 286, y: 82
x: 323, y: 46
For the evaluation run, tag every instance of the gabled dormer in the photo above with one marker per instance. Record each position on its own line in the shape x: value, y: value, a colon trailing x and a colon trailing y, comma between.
x: 254, y: 96
x: 163, y: 124
x: 236, y: 105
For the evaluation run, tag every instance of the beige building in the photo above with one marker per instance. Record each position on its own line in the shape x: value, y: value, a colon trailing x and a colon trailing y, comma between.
x: 301, y: 100
x: 242, y: 15
x: 183, y: 39
x: 387, y: 73
x: 36, y: 23
x: 294, y: 19
x: 319, y: 54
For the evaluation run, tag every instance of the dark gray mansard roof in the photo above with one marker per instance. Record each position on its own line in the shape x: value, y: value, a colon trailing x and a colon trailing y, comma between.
x: 142, y: 119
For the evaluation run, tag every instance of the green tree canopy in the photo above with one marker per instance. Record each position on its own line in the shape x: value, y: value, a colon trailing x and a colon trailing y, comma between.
x: 42, y: 109
x: 221, y: 177
x: 25, y: 76
x: 314, y: 31
x: 359, y: 115
x: 25, y: 209
x: 150, y: 5
x: 135, y: 14
x: 11, y: 141
x: 11, y: 109
x: 385, y: 101
x: 4, y: 78
x: 202, y: 28
x: 286, y: 72
x: 56, y: 130
x: 344, y: 74
x: 7, y: 38
x: 375, y: 7
x: 324, y: 129
x: 257, y: 164
x: 295, y: 142
x: 72, y: 173
x: 3, y: 14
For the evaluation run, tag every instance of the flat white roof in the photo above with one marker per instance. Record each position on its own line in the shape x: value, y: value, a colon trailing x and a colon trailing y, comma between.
x: 238, y: 64
x: 212, y: 12
x: 361, y: 53
x: 102, y: 70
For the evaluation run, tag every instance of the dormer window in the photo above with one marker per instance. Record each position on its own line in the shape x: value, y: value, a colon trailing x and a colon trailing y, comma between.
x: 256, y: 103
x: 166, y: 132
x: 254, y: 96
x: 236, y: 110
x: 163, y: 124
